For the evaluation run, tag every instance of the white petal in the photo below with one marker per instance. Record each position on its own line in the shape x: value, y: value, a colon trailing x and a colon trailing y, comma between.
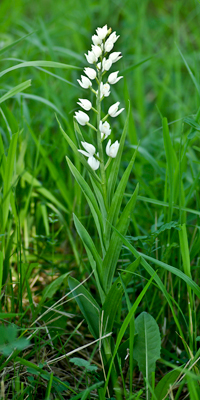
x: 90, y: 72
x: 94, y: 164
x: 89, y: 148
x: 81, y: 117
x: 85, y: 104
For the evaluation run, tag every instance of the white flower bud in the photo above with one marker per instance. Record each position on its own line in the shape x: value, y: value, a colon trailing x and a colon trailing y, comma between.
x: 104, y: 129
x: 81, y: 117
x: 108, y: 45
x: 96, y: 50
x: 107, y: 64
x: 113, y: 77
x: 104, y: 90
x: 90, y: 72
x: 102, y: 32
x: 96, y: 40
x: 113, y: 110
x: 115, y: 56
x: 113, y: 37
x: 111, y: 150
x: 91, y: 58
x: 84, y: 103
x: 85, y: 83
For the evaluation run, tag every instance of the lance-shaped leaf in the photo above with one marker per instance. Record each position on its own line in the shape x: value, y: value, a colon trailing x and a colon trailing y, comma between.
x: 7, y: 178
x: 90, y: 199
x: 165, y: 383
x: 93, y: 255
x: 116, y: 163
x: 114, y: 296
x: 117, y: 198
x: 76, y: 152
x: 12, y: 92
x: 147, y: 345
x: 87, y: 304
x: 49, y: 64
x: 112, y: 254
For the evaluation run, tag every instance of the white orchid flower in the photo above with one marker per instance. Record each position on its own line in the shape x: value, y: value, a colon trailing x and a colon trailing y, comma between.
x: 104, y: 129
x: 102, y: 32
x: 90, y: 151
x: 90, y: 72
x: 113, y: 37
x: 113, y: 78
x: 113, y: 110
x: 97, y: 50
x: 96, y: 40
x: 115, y: 56
x: 91, y: 58
x: 108, y: 45
x: 84, y: 103
x: 81, y: 117
x: 104, y: 90
x: 112, y: 149
x: 85, y: 82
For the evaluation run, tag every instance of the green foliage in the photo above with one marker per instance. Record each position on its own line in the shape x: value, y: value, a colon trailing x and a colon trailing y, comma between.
x: 147, y: 345
x: 9, y: 341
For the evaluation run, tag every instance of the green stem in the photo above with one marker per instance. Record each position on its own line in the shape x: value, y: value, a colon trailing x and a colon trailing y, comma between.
x: 100, y: 146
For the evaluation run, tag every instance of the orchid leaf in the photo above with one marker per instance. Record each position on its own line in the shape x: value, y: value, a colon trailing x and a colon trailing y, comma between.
x: 87, y: 304
x: 117, y: 198
x: 116, y: 163
x: 112, y: 255
x: 90, y: 199
x: 114, y: 296
x: 76, y: 152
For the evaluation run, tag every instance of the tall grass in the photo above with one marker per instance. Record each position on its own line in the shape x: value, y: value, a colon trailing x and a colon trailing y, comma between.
x: 44, y: 340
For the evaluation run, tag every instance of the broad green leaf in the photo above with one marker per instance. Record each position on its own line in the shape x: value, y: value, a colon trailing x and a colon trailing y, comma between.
x: 147, y: 345
x: 80, y: 362
x: 116, y: 163
x: 112, y: 254
x: 49, y: 64
x: 116, y: 201
x: 114, y: 296
x: 151, y: 271
x: 125, y: 325
x: 87, y: 304
x: 90, y: 199
x: 9, y: 341
x: 12, y: 92
x: 52, y: 288
x: 165, y: 383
